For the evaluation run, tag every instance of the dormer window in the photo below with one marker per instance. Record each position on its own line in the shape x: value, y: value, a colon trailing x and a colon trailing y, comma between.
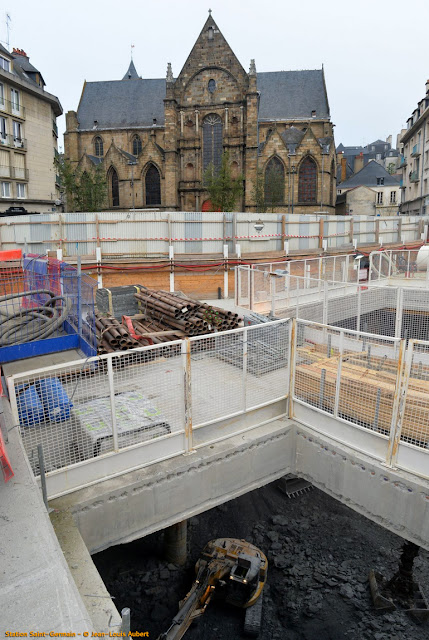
x: 4, y: 64
x: 380, y: 181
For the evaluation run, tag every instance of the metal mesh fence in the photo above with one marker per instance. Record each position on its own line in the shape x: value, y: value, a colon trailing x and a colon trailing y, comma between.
x: 415, y: 421
x: 40, y: 300
x: 94, y: 406
x: 400, y: 264
x: 237, y: 371
x: 350, y: 375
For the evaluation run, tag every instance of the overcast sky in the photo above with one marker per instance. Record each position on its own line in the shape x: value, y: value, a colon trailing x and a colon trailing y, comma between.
x: 374, y: 52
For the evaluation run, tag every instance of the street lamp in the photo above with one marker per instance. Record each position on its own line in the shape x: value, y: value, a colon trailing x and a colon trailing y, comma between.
x: 132, y: 164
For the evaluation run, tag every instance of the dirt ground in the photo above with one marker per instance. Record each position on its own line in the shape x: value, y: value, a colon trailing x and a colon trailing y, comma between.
x: 319, y: 552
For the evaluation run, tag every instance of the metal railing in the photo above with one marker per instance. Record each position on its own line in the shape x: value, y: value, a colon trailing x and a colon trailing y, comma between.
x: 9, y: 140
x: 131, y: 409
x: 414, y: 176
x: 12, y: 108
x: 416, y: 150
x: 399, y: 264
x: 127, y: 410
x: 369, y: 392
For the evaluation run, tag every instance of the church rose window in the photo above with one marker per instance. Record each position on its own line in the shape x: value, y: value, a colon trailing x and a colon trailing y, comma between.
x: 153, y: 186
x: 115, y: 188
x: 307, y: 185
x: 137, y: 145
x: 98, y: 147
x: 212, y: 141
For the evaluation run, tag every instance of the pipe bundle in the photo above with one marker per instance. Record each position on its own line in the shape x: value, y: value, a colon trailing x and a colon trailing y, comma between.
x: 111, y: 335
x: 164, y: 317
x: 182, y: 313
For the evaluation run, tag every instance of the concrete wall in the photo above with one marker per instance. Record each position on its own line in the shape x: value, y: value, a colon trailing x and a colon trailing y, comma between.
x: 135, y: 504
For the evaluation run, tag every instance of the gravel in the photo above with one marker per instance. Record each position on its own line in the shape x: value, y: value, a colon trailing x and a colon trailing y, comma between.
x: 319, y: 552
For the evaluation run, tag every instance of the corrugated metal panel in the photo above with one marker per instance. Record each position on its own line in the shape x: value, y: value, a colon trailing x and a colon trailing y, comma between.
x: 194, y: 229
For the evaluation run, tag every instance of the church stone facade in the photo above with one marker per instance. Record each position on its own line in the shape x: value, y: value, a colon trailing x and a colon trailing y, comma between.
x: 155, y: 138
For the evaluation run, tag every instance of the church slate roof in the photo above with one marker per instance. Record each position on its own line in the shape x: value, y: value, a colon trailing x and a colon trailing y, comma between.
x: 94, y: 159
x: 131, y: 73
x: 292, y: 94
x: 118, y: 103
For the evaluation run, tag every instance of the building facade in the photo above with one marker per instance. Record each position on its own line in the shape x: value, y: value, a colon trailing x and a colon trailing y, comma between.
x: 155, y: 138
x: 415, y: 162
x: 371, y: 191
x: 28, y: 137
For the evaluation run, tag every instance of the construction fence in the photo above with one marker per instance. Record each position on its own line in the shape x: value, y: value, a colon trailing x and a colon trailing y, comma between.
x: 129, y: 234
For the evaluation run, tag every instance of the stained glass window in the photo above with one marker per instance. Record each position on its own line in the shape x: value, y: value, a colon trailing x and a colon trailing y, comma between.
x: 274, y: 182
x: 212, y: 141
x: 137, y: 145
x: 114, y: 182
x: 307, y: 185
x: 153, y: 185
x: 98, y: 147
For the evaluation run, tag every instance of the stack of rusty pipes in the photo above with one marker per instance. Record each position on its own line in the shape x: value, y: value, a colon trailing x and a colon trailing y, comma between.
x: 112, y: 336
x: 185, y: 315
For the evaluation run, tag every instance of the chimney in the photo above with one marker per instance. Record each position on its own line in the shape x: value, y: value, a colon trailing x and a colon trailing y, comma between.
x: 343, y: 168
x: 359, y: 162
x: 19, y: 52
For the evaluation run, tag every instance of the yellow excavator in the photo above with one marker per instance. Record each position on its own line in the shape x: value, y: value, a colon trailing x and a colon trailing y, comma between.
x: 236, y: 569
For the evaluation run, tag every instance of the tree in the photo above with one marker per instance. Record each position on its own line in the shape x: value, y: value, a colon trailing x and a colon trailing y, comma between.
x: 223, y: 189
x: 258, y: 193
x: 274, y: 185
x: 85, y: 190
x: 391, y: 168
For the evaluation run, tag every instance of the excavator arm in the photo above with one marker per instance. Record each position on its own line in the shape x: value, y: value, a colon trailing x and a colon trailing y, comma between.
x: 197, y: 600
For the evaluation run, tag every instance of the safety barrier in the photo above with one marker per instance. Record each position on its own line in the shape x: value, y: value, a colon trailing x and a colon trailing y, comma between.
x: 102, y: 416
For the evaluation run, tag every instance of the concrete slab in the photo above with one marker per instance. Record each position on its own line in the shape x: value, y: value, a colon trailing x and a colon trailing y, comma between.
x: 37, y: 592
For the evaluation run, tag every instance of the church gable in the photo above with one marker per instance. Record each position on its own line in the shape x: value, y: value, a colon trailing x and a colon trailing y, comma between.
x: 212, y: 72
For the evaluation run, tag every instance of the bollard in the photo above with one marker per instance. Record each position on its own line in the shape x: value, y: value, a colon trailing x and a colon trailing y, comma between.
x: 126, y: 621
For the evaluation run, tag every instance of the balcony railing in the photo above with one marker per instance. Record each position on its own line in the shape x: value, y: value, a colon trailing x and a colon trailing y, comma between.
x: 416, y: 150
x: 12, y: 108
x: 414, y: 176
x: 19, y: 173
x: 5, y: 171
x: 9, y: 140
x: 403, y: 162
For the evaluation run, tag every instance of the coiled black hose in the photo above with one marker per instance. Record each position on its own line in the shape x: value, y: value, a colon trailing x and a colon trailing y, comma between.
x: 36, y: 323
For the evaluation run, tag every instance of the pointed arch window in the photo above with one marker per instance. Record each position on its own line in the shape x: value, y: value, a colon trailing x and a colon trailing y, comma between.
x: 153, y: 186
x: 212, y: 141
x: 332, y: 184
x: 137, y: 145
x: 307, y: 182
x: 114, y: 188
x: 274, y: 182
x: 98, y: 147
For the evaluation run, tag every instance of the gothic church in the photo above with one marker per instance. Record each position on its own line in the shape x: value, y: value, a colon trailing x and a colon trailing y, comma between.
x: 155, y: 138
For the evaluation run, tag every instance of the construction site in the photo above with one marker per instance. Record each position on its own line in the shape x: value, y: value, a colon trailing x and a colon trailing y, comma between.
x: 237, y: 374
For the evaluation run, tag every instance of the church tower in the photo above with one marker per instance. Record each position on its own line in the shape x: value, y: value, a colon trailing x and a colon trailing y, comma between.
x: 205, y: 115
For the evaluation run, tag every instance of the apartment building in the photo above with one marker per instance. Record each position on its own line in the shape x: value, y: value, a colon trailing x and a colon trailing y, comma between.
x: 28, y: 137
x: 415, y: 161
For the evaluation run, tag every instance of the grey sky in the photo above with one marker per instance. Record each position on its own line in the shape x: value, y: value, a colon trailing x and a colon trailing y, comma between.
x: 374, y: 51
